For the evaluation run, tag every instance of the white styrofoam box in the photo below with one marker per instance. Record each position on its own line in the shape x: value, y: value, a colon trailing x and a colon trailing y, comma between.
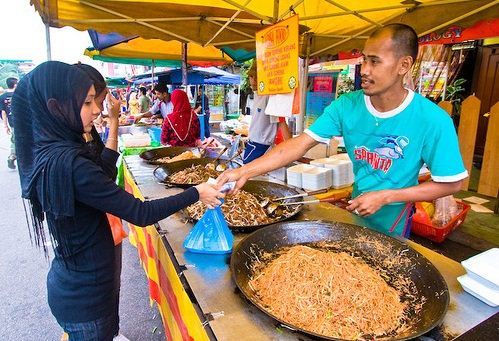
x: 483, y: 267
x: 316, y: 178
x: 136, y: 140
x: 480, y: 291
x: 294, y: 174
x: 279, y: 173
x: 341, y: 173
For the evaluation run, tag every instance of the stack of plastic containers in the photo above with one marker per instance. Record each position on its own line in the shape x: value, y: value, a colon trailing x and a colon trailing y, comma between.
x: 316, y: 178
x: 482, y: 278
x: 294, y: 174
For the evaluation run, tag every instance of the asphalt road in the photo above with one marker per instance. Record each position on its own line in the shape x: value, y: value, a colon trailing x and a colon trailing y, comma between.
x: 24, y: 312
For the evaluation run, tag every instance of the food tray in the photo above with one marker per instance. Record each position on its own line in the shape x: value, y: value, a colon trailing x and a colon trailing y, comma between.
x: 483, y: 268
x: 439, y: 233
x: 480, y: 291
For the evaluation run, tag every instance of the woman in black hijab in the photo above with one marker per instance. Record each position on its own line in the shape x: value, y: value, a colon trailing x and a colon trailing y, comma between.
x: 64, y: 183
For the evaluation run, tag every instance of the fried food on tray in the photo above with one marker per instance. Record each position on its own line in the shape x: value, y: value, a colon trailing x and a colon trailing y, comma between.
x: 195, y: 174
x: 187, y: 155
x: 329, y: 293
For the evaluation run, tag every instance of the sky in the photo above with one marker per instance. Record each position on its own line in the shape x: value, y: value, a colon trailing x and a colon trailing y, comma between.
x: 23, y: 36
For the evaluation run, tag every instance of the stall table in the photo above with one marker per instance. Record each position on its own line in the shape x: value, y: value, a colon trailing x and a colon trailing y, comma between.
x: 197, y: 297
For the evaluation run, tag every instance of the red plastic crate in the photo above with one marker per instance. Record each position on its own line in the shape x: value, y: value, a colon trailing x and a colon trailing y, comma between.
x: 439, y: 233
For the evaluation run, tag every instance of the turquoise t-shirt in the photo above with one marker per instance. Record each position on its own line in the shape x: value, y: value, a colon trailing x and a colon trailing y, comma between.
x: 389, y: 148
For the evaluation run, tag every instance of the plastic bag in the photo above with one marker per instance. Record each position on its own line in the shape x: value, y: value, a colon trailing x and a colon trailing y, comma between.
x: 210, y: 234
x: 117, y: 229
x: 446, y: 208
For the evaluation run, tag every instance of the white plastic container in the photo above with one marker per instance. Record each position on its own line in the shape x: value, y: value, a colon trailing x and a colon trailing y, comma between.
x: 480, y: 291
x: 294, y: 174
x: 341, y: 173
x: 136, y: 140
x: 316, y: 178
x: 483, y: 268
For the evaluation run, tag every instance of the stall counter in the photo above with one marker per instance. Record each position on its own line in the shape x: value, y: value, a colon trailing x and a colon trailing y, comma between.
x: 207, y: 286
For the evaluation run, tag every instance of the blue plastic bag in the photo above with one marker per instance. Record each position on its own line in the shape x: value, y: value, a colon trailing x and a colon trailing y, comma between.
x: 210, y: 234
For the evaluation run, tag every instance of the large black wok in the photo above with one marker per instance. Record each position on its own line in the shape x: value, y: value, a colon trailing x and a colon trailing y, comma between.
x: 269, y: 189
x: 428, y: 281
x: 163, y: 171
x: 150, y: 156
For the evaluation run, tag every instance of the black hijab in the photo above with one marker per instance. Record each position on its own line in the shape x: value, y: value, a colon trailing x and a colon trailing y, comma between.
x: 47, y: 104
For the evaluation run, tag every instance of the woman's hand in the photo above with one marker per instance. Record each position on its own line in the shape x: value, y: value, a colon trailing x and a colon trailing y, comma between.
x: 209, y: 195
x: 113, y: 107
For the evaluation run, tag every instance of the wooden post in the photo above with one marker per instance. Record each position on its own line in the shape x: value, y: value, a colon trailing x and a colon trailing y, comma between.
x: 489, y: 176
x: 468, y: 124
x: 447, y: 106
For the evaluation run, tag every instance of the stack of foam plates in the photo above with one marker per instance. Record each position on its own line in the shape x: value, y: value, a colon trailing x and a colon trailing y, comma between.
x: 316, y: 178
x: 482, y: 278
x: 321, y: 162
x: 294, y: 174
x: 342, y: 156
x: 342, y: 173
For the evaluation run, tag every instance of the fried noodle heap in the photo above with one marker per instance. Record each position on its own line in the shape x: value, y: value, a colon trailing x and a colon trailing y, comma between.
x: 328, y: 293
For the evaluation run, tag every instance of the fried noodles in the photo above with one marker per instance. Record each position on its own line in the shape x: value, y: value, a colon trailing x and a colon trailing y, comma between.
x: 195, y: 174
x: 244, y: 209
x: 328, y: 293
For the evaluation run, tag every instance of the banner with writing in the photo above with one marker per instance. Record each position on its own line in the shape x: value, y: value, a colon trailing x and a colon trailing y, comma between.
x: 277, y: 57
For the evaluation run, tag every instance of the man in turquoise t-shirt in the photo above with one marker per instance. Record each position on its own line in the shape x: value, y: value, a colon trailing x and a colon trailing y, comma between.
x: 389, y: 132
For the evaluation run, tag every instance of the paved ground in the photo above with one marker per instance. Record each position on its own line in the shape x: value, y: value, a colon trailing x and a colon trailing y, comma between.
x: 24, y: 312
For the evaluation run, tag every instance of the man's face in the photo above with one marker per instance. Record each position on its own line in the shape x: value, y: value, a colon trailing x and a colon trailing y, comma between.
x: 163, y: 96
x: 381, y: 68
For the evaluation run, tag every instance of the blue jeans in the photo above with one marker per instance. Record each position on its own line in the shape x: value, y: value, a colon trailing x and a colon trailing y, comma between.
x: 103, y: 329
x: 253, y: 151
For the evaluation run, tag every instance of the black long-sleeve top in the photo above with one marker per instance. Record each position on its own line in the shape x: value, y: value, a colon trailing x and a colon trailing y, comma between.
x: 80, y: 285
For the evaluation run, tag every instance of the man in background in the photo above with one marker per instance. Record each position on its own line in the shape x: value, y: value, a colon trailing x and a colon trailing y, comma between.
x: 162, y: 103
x: 7, y: 118
x: 204, y: 105
x: 144, y: 101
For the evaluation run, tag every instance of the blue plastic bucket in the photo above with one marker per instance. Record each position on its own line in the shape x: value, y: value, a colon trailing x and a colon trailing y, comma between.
x: 155, y: 134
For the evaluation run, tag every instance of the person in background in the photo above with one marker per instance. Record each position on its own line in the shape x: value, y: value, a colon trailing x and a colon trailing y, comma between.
x: 162, y: 103
x: 133, y: 104
x: 70, y: 187
x: 389, y: 132
x: 181, y: 127
x: 8, y: 118
x: 204, y: 105
x: 144, y: 101
x: 263, y: 128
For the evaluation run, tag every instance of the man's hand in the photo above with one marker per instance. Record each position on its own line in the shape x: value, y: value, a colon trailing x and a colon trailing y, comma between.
x: 237, y: 175
x: 367, y: 203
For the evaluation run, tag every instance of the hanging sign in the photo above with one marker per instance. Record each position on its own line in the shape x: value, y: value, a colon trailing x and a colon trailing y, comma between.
x: 456, y: 34
x: 277, y: 57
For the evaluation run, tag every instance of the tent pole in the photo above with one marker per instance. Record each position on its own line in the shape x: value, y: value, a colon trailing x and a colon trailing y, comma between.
x: 47, y: 41
x: 184, y: 63
x: 303, y: 100
x: 47, y: 30
x: 152, y: 72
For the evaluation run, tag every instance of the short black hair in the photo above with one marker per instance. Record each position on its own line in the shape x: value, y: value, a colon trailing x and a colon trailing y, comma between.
x: 96, y: 77
x: 161, y: 87
x: 11, y: 82
x: 143, y: 90
x: 405, y: 39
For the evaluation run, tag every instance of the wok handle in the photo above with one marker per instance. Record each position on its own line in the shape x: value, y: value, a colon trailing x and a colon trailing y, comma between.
x: 306, y: 194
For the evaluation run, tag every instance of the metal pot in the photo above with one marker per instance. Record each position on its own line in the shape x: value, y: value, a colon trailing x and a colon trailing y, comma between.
x: 427, y: 280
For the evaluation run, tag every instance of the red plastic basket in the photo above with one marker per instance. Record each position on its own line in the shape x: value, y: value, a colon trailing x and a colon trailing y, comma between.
x: 439, y: 233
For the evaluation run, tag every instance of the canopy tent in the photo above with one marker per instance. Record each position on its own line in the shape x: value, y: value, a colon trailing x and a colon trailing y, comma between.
x: 333, y: 25
x: 195, y: 76
x: 114, y: 47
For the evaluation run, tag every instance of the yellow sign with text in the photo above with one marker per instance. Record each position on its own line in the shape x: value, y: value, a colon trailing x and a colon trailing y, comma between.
x: 277, y: 57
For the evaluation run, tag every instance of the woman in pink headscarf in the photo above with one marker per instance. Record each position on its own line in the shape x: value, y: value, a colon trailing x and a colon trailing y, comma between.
x: 181, y: 127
